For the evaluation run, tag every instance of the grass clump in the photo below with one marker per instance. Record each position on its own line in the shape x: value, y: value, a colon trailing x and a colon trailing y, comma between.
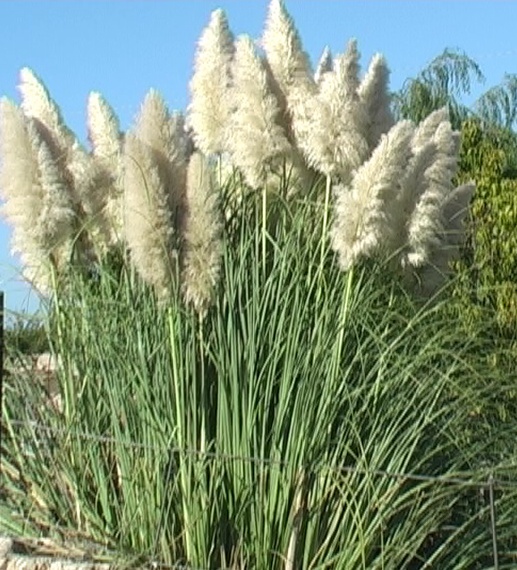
x: 244, y: 379
x: 279, y: 431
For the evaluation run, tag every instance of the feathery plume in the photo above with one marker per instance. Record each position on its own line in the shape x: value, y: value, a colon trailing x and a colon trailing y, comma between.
x: 154, y: 178
x: 292, y: 83
x: 89, y: 189
x: 455, y: 211
x: 374, y: 94
x: 330, y: 128
x: 367, y: 219
x: 81, y: 173
x: 425, y: 226
x: 427, y: 128
x: 208, y: 111
x: 38, y: 104
x: 55, y: 222
x: 202, y: 236
x: 148, y: 220
x: 106, y: 143
x: 324, y: 65
x: 413, y: 184
x: 257, y: 140
x: 428, y: 279
x: 347, y: 70
x: 103, y: 131
x: 416, y: 178
x: 281, y: 41
x: 182, y: 145
x: 37, y: 201
x: 19, y: 176
x: 165, y: 135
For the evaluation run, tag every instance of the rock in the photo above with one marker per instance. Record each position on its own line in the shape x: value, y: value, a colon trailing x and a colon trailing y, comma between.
x: 46, y: 362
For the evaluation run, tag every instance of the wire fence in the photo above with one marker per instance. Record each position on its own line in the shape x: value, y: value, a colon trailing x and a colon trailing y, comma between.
x: 484, y: 483
x: 33, y: 433
x: 474, y: 481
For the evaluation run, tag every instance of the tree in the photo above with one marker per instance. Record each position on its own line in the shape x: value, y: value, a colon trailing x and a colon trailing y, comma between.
x: 488, y: 156
x: 441, y: 83
x: 498, y: 106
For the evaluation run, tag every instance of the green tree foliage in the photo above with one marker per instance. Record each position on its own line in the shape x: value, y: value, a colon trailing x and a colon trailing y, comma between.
x: 441, y: 83
x: 498, y: 106
x: 489, y: 262
x: 487, y: 284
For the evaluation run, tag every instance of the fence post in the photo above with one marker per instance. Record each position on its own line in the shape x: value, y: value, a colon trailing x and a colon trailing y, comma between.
x: 492, y: 521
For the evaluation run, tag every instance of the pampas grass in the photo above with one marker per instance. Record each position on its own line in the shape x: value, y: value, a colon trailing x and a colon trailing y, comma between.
x: 265, y: 116
x: 202, y: 246
x: 209, y: 108
x: 106, y: 144
x: 367, y: 217
x: 38, y: 104
x: 103, y: 130
x: 330, y: 124
x: 283, y: 47
x: 374, y: 95
x: 83, y: 177
x: 154, y: 178
x: 269, y: 403
x: 325, y: 64
x: 258, y: 143
x: 36, y: 198
x: 425, y: 226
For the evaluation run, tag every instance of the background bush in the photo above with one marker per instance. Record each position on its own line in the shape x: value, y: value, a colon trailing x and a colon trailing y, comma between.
x: 489, y: 262
x: 26, y: 334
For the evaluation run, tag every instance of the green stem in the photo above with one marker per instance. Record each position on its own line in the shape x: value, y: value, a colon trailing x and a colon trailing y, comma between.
x: 345, y: 309
x: 68, y: 384
x: 204, y: 402
x: 180, y: 433
x: 203, y: 470
x: 325, y: 221
x: 264, y: 213
x: 319, y: 273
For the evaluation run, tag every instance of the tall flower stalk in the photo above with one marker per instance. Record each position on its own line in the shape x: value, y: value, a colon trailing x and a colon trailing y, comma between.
x: 106, y: 143
x: 367, y: 214
x: 258, y: 144
x: 154, y: 186
x: 209, y: 109
x: 36, y: 197
x: 201, y: 236
x: 83, y: 178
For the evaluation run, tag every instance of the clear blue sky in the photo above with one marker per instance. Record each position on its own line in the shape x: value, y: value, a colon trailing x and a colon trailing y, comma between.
x: 123, y: 48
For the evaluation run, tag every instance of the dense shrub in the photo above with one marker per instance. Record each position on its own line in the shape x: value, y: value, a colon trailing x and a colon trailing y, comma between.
x: 25, y: 335
x: 488, y: 268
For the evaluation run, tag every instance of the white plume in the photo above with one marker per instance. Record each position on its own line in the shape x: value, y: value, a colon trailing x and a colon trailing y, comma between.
x: 367, y: 219
x: 209, y: 109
